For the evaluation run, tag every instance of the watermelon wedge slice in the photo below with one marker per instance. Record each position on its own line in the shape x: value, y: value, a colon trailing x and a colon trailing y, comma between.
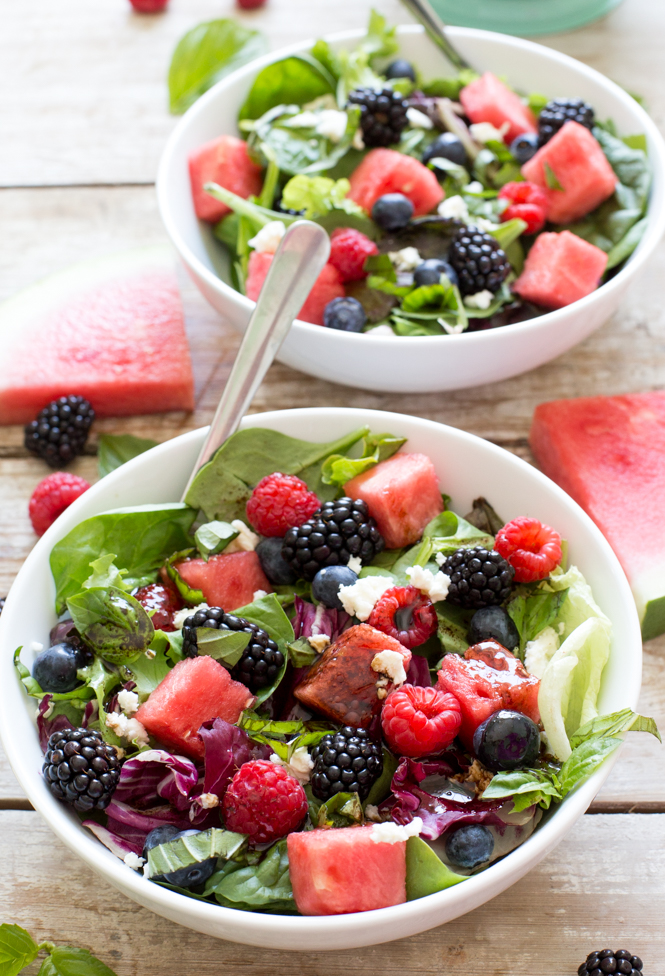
x: 608, y: 453
x: 111, y: 329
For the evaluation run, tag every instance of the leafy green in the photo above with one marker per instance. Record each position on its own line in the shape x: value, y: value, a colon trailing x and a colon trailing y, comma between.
x: 265, y: 886
x: 297, y: 145
x: 225, y: 646
x: 537, y: 102
x: 449, y: 532
x: 318, y: 195
x: 425, y: 871
x: 625, y: 720
x: 450, y: 87
x: 115, y: 449
x: 112, y: 621
x: 267, y: 612
x: 502, y: 297
x: 356, y: 67
x: 341, y: 810
x: 187, y: 592
x: 68, y: 961
x: 193, y: 849
x: 101, y: 681
x: 35, y: 691
x: 296, y: 80
x: 625, y: 247
x: 222, y: 487
x: 380, y: 788
x: 140, y: 538
x: 482, y: 516
x: 148, y: 671
x: 526, y: 786
x: 338, y: 469
x: 551, y: 178
x: 214, y: 537
x: 495, y: 166
x: 585, y: 760
x: 533, y: 612
x: 17, y: 949
x: 453, y: 626
x: 301, y: 653
x: 106, y: 573
x: 207, y: 53
x: 508, y: 231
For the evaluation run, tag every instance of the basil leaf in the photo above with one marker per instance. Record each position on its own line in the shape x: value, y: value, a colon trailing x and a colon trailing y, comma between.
x: 625, y: 247
x: 113, y: 622
x: 291, y: 81
x: 225, y: 646
x: 301, y: 653
x: 551, y: 178
x: 585, y: 760
x: 625, y: 720
x: 115, y: 449
x: 214, y: 537
x: 264, y: 886
x: 193, y: 849
x: 425, y: 871
x: 17, y: 949
x: 531, y: 614
x: 453, y: 627
x: 207, y: 53
x: 147, y: 672
x: 524, y: 782
x: 67, y: 961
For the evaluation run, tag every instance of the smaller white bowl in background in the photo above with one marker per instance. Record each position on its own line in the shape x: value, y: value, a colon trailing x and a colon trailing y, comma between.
x: 467, y: 466
x: 424, y: 363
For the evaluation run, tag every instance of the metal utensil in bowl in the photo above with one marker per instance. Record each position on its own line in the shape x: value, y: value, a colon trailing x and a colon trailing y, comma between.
x: 436, y: 30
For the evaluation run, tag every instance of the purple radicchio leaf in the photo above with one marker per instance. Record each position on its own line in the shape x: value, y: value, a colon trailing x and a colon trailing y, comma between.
x: 311, y: 621
x: 47, y: 726
x: 154, y: 775
x: 116, y: 843
x: 122, y: 815
x: 419, y: 673
x: 226, y: 748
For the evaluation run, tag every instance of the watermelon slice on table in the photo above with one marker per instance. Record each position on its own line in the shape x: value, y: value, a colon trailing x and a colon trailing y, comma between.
x: 111, y: 329
x: 573, y: 159
x: 326, y: 287
x: 402, y: 496
x: 344, y: 870
x: 487, y: 99
x: 560, y: 269
x: 387, y: 171
x: 229, y: 580
x: 224, y: 161
x: 608, y: 453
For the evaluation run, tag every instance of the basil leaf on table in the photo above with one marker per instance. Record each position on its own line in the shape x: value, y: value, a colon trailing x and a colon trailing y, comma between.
x: 115, y: 449
x: 68, y: 961
x: 113, y: 622
x: 17, y: 949
x: 207, y: 53
x: 292, y: 81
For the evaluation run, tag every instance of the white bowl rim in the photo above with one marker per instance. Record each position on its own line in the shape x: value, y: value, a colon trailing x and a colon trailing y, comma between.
x: 195, y: 913
x: 473, y: 340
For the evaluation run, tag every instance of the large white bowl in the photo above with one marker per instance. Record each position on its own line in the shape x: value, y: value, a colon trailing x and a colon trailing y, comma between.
x: 418, y: 364
x: 467, y: 466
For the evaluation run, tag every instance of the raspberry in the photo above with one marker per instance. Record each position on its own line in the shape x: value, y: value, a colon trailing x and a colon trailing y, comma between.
x: 163, y: 600
x: 264, y: 802
x: 528, y: 203
x: 349, y: 250
x: 531, y: 548
x: 148, y: 6
x: 405, y: 614
x: 420, y: 721
x: 52, y: 496
x: 279, y: 502
x: 250, y: 4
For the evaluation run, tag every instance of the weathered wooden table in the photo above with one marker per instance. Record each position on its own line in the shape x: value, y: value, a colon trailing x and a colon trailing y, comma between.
x: 83, y: 120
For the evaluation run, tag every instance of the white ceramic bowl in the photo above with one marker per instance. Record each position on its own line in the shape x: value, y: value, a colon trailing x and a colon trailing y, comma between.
x: 418, y: 364
x: 467, y: 466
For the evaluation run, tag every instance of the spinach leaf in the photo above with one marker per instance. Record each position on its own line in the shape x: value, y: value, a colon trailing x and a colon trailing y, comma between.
x: 214, y: 537
x: 140, y: 538
x: 450, y: 87
x: 265, y: 886
x: 338, y: 469
x: 17, y: 949
x: 532, y: 612
x: 147, y: 672
x: 207, y: 53
x: 425, y: 871
x: 297, y: 140
x: 625, y: 720
x: 267, y: 612
x: 113, y: 622
x: 301, y: 653
x: 115, y: 449
x: 453, y: 626
x: 222, y: 487
x: 292, y: 81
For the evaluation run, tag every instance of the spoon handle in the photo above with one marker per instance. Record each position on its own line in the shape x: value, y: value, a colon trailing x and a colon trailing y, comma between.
x: 436, y: 29
x: 299, y: 259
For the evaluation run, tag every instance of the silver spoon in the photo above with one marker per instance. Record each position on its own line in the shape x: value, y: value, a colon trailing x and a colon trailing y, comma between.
x: 436, y: 30
x: 298, y: 261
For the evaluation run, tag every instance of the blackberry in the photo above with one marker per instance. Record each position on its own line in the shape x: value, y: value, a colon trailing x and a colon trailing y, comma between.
x: 561, y: 110
x: 339, y: 530
x: 81, y: 769
x: 346, y: 761
x: 607, y: 962
x: 478, y: 578
x: 261, y: 660
x: 382, y: 115
x: 481, y: 264
x: 60, y: 431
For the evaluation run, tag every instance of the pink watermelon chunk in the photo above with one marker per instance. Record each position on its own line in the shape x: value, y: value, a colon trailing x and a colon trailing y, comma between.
x: 488, y: 100
x: 326, y: 287
x: 387, y: 171
x: 560, y: 269
x: 574, y: 158
x: 608, y: 453
x: 197, y: 690
x: 335, y: 872
x: 228, y: 580
x: 111, y: 330
x: 224, y: 161
x: 402, y: 495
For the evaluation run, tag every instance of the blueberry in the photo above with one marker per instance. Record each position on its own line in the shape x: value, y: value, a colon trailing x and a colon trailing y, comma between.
x: 392, y: 211
x: 160, y: 835
x: 273, y: 563
x: 345, y: 314
x: 400, y: 69
x: 494, y: 623
x: 430, y: 271
x: 326, y: 584
x: 447, y: 146
x: 55, y: 668
x: 187, y: 877
x: 507, y: 740
x: 470, y: 846
x: 524, y: 146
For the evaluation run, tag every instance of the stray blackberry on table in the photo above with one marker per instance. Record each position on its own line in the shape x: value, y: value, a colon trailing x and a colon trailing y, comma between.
x: 606, y: 962
x: 60, y: 431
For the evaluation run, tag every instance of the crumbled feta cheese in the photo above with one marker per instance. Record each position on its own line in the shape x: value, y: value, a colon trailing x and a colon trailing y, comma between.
x: 128, y: 701
x: 359, y: 598
x: 372, y: 813
x: 36, y: 647
x: 392, y: 833
x: 355, y: 563
x: 127, y: 728
x: 357, y: 141
x: 246, y: 540
x: 208, y: 801
x: 332, y: 124
x: 439, y: 558
x: 561, y: 627
x: 482, y: 299
x: 482, y: 223
x: 484, y: 132
x: 381, y: 693
x: 418, y: 119
x: 133, y: 861
x: 300, y: 765
x: 318, y: 642
x: 433, y: 585
x: 453, y: 208
x: 540, y: 650
x: 390, y: 663
x: 303, y: 120
x: 258, y: 594
x: 407, y: 259
x: 181, y: 615
x: 382, y: 330
x: 150, y: 654
x: 268, y: 238
x: 475, y: 186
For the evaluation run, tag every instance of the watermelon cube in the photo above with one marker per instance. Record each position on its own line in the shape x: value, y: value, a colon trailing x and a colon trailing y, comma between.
x: 342, y: 685
x: 574, y: 158
x: 402, y: 495
x: 197, y: 690
x: 560, y: 269
x: 387, y: 171
x: 335, y: 872
x: 488, y: 100
x: 224, y: 161
x: 228, y: 580
x: 326, y: 287
x: 608, y: 453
